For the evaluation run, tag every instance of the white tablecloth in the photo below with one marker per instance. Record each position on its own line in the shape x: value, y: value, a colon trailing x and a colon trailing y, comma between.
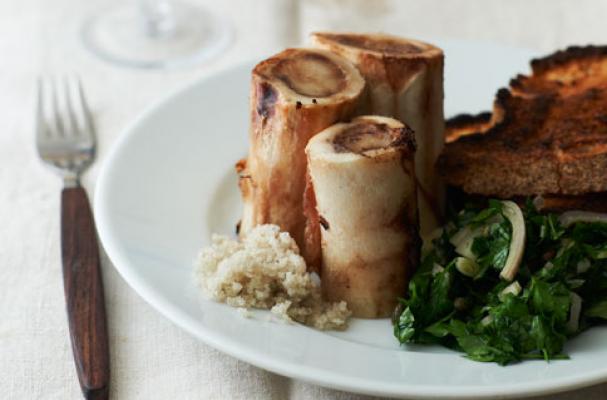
x: 151, y: 358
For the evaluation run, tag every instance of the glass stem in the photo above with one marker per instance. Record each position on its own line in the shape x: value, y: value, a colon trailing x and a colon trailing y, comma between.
x: 158, y: 18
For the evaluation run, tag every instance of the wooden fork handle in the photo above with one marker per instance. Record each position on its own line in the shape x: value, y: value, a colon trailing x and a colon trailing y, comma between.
x: 83, y: 287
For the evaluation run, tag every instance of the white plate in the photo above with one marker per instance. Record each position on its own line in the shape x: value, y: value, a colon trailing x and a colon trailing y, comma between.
x: 169, y: 182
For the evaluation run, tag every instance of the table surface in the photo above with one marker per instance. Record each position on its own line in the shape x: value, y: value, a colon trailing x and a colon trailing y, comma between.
x: 151, y: 358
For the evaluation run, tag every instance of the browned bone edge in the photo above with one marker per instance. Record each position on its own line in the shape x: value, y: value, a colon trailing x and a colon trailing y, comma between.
x: 83, y: 287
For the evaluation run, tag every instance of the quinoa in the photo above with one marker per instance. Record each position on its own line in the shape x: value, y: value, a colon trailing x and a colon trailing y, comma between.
x: 265, y: 270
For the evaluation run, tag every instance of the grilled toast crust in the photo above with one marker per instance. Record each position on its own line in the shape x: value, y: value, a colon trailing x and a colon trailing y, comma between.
x: 466, y: 124
x: 547, y: 133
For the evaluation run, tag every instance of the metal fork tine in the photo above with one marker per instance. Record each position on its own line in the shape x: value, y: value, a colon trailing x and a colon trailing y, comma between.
x: 69, y: 106
x: 87, y: 118
x: 65, y: 138
x: 59, y: 124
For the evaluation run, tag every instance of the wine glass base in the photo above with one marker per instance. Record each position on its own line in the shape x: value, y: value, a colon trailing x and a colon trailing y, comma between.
x: 118, y: 36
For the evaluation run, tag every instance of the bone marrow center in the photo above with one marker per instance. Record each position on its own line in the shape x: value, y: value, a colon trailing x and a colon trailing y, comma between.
x: 311, y: 74
x: 362, y: 138
x: 380, y: 45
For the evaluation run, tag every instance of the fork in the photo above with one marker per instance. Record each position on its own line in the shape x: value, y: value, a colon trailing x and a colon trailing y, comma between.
x: 65, y: 139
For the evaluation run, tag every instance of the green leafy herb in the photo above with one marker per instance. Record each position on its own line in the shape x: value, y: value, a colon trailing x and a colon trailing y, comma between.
x: 492, y: 248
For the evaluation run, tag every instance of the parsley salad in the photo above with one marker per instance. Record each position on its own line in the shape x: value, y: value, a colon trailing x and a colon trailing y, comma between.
x: 504, y: 284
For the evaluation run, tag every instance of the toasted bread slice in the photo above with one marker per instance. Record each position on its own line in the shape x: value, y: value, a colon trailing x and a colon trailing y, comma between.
x: 596, y: 202
x: 547, y: 133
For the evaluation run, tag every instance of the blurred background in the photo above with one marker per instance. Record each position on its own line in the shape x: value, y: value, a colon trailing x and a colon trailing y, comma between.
x: 152, y: 358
